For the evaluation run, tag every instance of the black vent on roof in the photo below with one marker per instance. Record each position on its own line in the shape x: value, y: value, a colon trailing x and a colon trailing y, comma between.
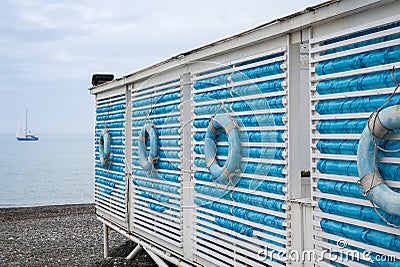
x: 98, y: 79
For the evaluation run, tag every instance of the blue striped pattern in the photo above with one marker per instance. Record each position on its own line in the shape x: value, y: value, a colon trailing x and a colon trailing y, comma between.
x: 165, y: 106
x: 110, y: 114
x: 371, y: 82
x: 248, y: 167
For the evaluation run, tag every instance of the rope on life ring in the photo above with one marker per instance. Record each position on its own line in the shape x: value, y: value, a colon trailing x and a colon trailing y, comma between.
x: 225, y: 173
x: 373, y: 185
x: 104, y: 148
x: 147, y: 161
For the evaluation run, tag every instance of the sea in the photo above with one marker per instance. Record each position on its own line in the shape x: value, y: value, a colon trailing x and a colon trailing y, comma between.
x: 57, y: 169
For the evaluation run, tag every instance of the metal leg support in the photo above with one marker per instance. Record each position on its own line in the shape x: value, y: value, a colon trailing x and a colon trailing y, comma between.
x: 156, y: 258
x: 134, y: 252
x: 105, y: 236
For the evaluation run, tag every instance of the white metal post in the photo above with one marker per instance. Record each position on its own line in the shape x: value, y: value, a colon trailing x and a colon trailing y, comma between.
x: 134, y: 252
x: 128, y: 152
x: 105, y: 238
x: 294, y: 138
x: 298, y: 146
x: 297, y: 123
x: 187, y: 187
x: 310, y: 113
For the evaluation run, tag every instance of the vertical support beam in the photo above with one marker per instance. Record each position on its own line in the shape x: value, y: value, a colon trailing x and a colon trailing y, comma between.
x: 128, y: 151
x: 105, y: 239
x: 187, y: 187
x: 298, y: 142
x: 315, y: 238
x: 94, y: 155
x: 294, y: 120
x: 308, y: 243
x: 301, y: 221
x: 298, y: 121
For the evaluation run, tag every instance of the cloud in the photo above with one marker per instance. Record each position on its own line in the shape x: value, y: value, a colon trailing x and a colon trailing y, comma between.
x: 50, y: 48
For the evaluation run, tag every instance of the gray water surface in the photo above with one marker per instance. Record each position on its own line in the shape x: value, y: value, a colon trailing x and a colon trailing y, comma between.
x: 58, y: 169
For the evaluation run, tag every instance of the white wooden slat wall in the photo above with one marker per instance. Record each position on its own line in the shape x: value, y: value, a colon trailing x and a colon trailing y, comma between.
x: 111, y: 192
x: 345, y: 89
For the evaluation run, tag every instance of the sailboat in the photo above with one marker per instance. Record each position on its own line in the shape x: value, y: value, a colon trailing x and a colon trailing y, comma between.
x: 23, y: 134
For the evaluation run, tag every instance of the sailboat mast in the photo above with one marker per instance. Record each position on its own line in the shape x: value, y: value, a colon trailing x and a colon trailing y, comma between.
x: 26, y: 123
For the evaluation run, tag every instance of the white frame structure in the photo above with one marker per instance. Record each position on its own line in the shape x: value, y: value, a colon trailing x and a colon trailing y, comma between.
x: 163, y: 227
x: 111, y: 187
x: 184, y: 233
x: 324, y: 241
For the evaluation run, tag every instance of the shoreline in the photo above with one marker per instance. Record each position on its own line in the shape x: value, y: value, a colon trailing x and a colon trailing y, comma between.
x: 47, y: 207
x: 45, y: 210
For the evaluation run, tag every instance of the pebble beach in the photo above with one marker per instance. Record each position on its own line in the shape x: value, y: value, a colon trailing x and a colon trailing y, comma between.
x: 64, y: 235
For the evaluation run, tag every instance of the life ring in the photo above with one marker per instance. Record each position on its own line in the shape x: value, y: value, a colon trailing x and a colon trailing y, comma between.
x: 373, y: 185
x: 222, y: 174
x: 147, y: 161
x: 104, y: 148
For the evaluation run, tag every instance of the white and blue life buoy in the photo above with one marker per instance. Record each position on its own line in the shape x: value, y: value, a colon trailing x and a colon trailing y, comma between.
x: 373, y: 185
x: 147, y: 161
x: 104, y: 148
x: 222, y: 122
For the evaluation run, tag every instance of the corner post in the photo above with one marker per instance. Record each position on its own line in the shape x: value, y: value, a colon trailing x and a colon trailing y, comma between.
x: 187, y: 188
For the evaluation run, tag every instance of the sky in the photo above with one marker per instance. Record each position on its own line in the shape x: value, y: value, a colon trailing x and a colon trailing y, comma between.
x: 50, y: 48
